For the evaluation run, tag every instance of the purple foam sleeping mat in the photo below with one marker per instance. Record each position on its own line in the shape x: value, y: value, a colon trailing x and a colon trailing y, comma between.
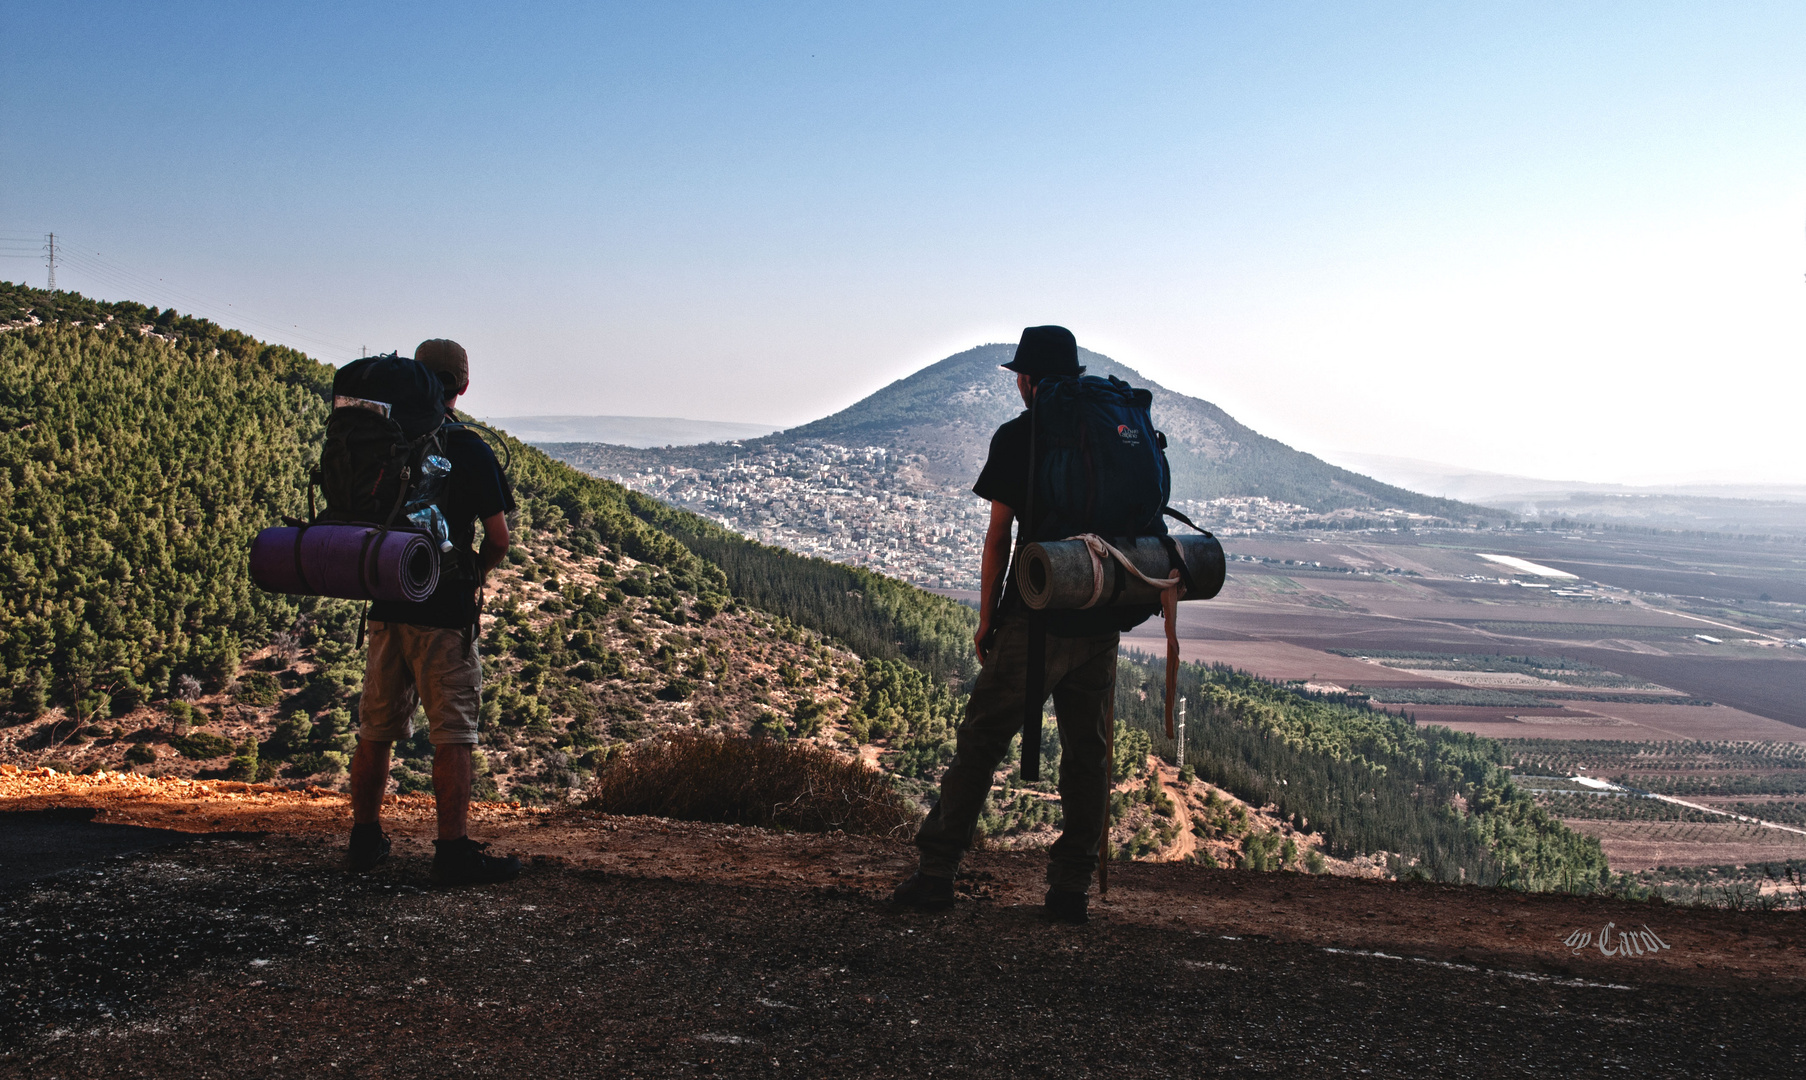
x: 351, y: 562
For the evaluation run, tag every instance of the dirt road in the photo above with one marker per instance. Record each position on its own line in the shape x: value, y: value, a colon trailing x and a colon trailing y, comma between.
x: 636, y: 947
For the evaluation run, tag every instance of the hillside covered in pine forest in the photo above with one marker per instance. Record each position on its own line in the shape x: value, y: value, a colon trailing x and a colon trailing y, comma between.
x: 140, y: 450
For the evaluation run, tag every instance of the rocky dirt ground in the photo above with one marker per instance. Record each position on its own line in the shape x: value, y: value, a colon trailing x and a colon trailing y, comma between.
x: 231, y: 942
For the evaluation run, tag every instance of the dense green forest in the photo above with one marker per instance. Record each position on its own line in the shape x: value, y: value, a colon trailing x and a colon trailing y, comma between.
x: 1366, y: 779
x: 135, y: 466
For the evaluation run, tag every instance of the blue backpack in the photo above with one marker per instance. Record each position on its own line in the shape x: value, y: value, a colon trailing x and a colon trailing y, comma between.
x: 1098, y: 464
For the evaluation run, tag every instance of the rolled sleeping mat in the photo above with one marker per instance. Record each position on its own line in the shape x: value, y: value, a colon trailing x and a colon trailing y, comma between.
x: 351, y: 562
x: 1061, y: 574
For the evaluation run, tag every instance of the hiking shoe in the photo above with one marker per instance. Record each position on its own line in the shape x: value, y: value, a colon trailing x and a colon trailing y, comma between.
x: 1068, y: 907
x: 462, y: 862
x: 924, y: 892
x: 369, y: 846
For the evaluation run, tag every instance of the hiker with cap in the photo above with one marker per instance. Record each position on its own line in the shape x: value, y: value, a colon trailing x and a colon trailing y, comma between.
x: 1078, y: 667
x: 425, y: 654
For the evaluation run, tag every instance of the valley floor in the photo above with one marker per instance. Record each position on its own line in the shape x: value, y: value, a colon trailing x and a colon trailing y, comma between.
x: 234, y: 944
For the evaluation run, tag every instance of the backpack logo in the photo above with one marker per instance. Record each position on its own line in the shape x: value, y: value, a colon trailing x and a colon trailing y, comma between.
x: 1128, y: 434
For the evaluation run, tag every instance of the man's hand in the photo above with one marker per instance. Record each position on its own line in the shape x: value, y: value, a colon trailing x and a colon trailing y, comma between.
x: 994, y: 561
x: 982, y: 639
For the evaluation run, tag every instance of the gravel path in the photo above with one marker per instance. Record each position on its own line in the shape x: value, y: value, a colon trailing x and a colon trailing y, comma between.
x: 260, y: 957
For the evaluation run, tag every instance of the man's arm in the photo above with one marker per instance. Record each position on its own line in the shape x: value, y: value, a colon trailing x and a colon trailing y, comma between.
x: 991, y: 568
x: 495, y: 545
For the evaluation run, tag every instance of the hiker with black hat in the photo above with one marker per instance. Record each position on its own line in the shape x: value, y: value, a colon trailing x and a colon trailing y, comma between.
x: 1078, y: 667
x: 425, y: 654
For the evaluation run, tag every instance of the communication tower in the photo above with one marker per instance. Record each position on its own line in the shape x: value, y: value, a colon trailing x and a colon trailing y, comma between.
x: 1179, y: 753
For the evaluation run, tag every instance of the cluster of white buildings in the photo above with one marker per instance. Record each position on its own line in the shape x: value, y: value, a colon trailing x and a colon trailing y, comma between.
x: 866, y: 506
x: 850, y: 504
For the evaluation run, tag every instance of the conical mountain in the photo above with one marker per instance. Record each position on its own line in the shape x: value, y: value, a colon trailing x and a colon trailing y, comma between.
x: 947, y: 411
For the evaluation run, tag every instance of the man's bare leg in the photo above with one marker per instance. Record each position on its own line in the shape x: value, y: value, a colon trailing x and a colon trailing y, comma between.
x: 369, y: 780
x: 452, y: 777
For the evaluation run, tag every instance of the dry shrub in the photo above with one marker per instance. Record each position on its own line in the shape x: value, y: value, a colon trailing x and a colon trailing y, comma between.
x: 695, y: 776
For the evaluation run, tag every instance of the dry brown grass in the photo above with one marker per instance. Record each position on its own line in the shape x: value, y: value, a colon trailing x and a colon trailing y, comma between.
x: 693, y: 776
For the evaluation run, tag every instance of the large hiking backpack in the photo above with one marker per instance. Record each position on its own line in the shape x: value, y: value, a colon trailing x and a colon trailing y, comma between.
x: 1096, y: 466
x: 387, y: 418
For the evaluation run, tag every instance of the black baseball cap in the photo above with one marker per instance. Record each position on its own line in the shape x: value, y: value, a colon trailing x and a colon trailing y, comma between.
x: 1047, y: 350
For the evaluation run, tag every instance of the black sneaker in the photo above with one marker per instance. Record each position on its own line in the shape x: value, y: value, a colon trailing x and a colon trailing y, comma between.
x: 1067, y: 907
x: 369, y: 846
x: 924, y: 892
x: 462, y: 862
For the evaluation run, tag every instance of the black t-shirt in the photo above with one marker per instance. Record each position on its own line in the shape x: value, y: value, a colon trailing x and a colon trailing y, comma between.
x: 475, y: 490
x: 1004, y: 479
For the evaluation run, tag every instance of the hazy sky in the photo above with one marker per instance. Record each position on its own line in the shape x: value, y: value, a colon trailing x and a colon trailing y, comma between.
x: 1559, y: 239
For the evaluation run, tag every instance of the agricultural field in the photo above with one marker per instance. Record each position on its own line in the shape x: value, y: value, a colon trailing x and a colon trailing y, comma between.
x: 1706, y: 816
x: 1656, y: 636
x: 1671, y: 664
x: 1641, y: 846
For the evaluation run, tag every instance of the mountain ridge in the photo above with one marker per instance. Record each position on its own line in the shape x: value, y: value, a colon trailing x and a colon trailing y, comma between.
x: 944, y: 414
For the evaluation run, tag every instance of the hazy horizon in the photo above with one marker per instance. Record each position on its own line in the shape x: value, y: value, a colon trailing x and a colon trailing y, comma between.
x: 1542, y: 241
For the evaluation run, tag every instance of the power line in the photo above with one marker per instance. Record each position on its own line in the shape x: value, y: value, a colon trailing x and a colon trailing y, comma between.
x: 132, y: 283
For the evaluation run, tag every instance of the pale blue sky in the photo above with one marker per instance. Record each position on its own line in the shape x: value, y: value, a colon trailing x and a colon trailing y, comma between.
x: 1545, y: 238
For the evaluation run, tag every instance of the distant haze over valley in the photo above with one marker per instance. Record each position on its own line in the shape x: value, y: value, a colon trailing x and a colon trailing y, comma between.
x: 637, y: 431
x: 1736, y: 508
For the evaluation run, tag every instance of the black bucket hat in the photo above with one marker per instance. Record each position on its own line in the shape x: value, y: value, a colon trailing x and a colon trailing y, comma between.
x: 1047, y: 350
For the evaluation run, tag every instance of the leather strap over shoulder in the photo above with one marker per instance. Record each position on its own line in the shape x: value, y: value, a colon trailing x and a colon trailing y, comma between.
x: 1177, y: 516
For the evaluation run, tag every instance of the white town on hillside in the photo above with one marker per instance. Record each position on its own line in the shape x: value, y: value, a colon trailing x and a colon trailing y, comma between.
x: 871, y: 507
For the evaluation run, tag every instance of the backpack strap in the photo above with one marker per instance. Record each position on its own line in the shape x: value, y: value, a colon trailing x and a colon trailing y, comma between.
x: 1177, y: 516
x: 1120, y: 582
x: 1170, y: 589
x: 1177, y: 562
x: 1169, y: 609
x: 1035, y: 677
x: 364, y: 575
x: 1033, y: 698
x: 300, y: 569
x: 401, y: 496
x: 1103, y: 842
x: 494, y: 436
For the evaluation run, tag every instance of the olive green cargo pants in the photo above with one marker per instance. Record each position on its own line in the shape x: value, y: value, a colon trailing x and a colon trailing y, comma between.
x: 1081, y: 675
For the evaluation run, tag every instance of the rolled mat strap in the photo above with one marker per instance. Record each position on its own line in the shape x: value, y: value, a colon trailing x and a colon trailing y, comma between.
x: 1098, y: 548
x: 1095, y: 572
x: 1169, y: 608
x: 350, y: 562
x: 300, y: 568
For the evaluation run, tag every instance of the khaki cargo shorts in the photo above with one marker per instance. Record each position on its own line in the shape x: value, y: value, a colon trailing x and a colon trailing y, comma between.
x: 426, y: 666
